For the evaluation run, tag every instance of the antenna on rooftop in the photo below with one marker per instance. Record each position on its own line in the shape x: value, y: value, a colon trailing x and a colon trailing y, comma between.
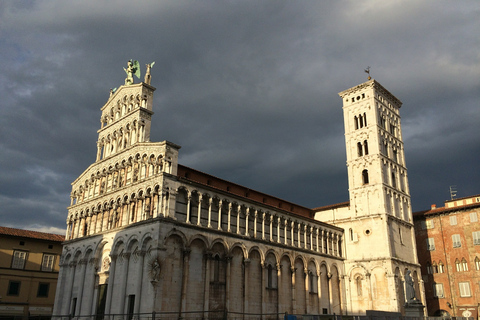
x: 453, y: 192
x: 368, y: 72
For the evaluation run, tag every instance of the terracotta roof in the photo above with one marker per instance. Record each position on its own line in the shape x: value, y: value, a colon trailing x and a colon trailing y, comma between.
x: 333, y: 206
x: 31, y: 234
x: 213, y: 182
x: 445, y: 210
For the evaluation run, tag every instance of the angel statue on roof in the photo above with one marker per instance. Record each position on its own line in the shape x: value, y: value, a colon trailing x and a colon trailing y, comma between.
x: 133, y: 68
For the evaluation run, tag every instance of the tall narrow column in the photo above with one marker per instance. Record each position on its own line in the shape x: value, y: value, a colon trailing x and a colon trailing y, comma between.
x: 210, y: 200
x: 220, y: 203
x: 138, y: 288
x: 186, y: 258
x: 229, y: 216
x: 189, y: 201
x: 247, y: 214
x: 311, y: 238
x: 83, y: 264
x: 111, y: 277
x: 264, y: 215
x: 292, y: 233
x: 206, y: 299
x: 278, y: 229
x: 239, y: 209
x: 285, y: 225
x: 199, y: 214
x: 255, y: 224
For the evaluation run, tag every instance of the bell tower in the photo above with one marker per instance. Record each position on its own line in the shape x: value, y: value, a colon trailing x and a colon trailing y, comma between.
x: 380, y: 240
x: 377, y: 174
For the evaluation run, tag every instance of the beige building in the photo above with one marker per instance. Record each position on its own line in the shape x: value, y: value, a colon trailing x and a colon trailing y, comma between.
x: 145, y: 233
x: 28, y: 272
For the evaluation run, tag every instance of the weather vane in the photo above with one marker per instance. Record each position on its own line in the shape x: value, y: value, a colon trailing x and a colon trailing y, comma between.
x: 368, y: 72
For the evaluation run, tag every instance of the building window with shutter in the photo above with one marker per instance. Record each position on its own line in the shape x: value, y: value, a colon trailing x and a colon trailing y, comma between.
x: 438, y: 290
x: 473, y: 217
x: 453, y: 220
x: 476, y: 238
x: 457, y: 243
x: 464, y: 289
x: 18, y: 260
x: 47, y: 262
x: 430, y: 244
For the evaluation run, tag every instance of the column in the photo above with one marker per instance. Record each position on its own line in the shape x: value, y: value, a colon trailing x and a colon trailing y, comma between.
x: 294, y: 304
x: 199, y: 213
x: 255, y: 224
x: 292, y: 233
x: 66, y: 307
x: 247, y: 214
x: 264, y: 289
x: 263, y: 225
x: 247, y: 277
x: 220, y: 203
x: 82, y: 263
x: 305, y: 236
x: 186, y: 258
x: 210, y: 212
x: 111, y: 277
x: 138, y: 288
x: 307, y: 276
x: 189, y: 201
x: 99, y: 150
x: 206, y: 299
x: 285, y: 224
x: 227, y: 289
x: 239, y: 209
x: 123, y: 287
x: 229, y: 216
x: 316, y: 238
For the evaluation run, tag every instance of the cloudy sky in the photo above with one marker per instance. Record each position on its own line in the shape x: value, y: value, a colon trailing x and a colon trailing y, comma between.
x: 249, y: 89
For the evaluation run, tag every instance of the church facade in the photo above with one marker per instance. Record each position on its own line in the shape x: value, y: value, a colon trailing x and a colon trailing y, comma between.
x: 147, y: 234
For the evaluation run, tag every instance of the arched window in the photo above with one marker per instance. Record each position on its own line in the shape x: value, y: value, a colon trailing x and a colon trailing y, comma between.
x: 458, y: 266
x: 464, y: 264
x: 356, y: 122
x: 394, y: 181
x: 359, y: 149
x: 365, y: 146
x: 361, y: 121
x: 351, y: 234
x: 365, y: 176
x: 477, y: 263
x: 365, y: 119
x: 435, y: 267
x: 429, y: 268
x: 441, y: 267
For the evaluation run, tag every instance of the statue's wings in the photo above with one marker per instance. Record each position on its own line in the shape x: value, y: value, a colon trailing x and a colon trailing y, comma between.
x: 136, y: 67
x: 151, y: 64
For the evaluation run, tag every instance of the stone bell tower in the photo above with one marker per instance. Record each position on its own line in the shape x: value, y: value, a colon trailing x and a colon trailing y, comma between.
x: 380, y: 245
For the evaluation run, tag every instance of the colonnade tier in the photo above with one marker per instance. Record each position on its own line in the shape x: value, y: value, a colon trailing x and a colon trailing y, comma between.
x: 205, y: 210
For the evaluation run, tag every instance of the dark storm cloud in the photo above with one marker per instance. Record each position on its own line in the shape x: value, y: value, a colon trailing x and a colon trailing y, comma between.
x: 247, y: 88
